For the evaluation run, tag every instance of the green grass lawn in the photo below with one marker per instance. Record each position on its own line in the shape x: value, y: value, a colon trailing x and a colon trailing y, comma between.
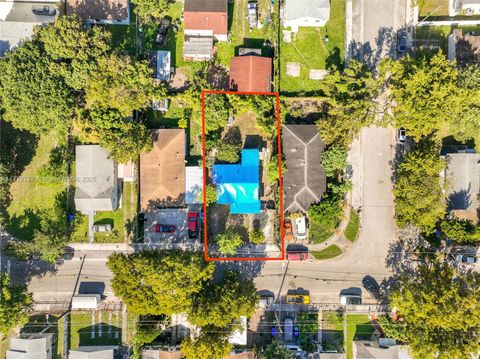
x: 327, y: 253
x: 432, y: 8
x: 312, y: 52
x: 31, y: 194
x: 82, y: 330
x: 358, y: 328
x: 353, y: 226
x: 115, y: 218
x: 332, y: 322
x: 438, y: 35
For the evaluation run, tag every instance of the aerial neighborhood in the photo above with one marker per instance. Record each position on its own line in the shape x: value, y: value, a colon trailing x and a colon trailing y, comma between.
x: 248, y: 179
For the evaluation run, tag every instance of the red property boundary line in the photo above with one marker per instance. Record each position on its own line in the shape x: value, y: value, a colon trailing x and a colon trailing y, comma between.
x: 280, y: 179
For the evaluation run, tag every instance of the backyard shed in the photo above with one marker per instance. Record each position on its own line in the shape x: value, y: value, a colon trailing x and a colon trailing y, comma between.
x: 238, y: 184
x: 96, y: 180
x: 250, y: 73
x: 308, y: 13
x: 304, y: 181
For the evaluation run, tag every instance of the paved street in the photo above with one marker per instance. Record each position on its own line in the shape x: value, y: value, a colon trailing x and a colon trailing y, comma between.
x: 374, y: 27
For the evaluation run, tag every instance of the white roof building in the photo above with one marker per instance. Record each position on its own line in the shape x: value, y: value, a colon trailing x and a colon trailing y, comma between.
x: 96, y: 180
x: 31, y: 346
x: 92, y: 352
x: 193, y: 184
x: 85, y: 301
x: 310, y: 13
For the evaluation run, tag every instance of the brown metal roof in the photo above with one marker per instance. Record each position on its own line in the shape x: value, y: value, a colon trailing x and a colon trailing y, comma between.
x: 162, y: 170
x: 98, y: 9
x: 250, y: 73
x: 206, y: 5
x: 214, y: 21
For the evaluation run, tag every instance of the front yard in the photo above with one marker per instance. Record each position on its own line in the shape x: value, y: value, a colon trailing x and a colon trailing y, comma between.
x: 121, y: 220
x: 358, y: 328
x: 309, y: 49
x: 327, y: 253
x: 95, y: 328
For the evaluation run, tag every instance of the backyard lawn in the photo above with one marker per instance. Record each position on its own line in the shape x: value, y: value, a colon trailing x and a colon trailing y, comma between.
x: 32, y: 193
x: 332, y: 329
x: 96, y: 328
x: 432, y: 8
x: 310, y: 50
x: 327, y: 253
x: 121, y: 220
x: 358, y: 328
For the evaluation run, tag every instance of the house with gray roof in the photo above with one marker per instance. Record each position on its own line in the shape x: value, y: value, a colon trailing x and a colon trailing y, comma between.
x: 462, y: 176
x: 96, y: 180
x: 304, y: 182
x: 305, y: 13
x: 31, y: 346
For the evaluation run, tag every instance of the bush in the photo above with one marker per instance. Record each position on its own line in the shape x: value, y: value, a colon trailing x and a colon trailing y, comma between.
x: 228, y: 153
x: 461, y: 231
x: 334, y: 160
x: 211, y: 195
x: 228, y: 242
x: 256, y: 236
x: 324, y: 218
x: 272, y: 169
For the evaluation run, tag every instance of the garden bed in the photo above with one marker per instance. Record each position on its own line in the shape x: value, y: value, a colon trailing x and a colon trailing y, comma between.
x: 353, y: 226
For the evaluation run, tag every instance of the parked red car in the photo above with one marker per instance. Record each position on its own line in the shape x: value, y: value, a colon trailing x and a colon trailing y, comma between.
x: 297, y: 256
x: 164, y: 228
x: 192, y: 224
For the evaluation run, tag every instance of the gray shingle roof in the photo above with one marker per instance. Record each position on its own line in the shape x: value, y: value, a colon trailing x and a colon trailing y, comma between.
x: 304, y: 182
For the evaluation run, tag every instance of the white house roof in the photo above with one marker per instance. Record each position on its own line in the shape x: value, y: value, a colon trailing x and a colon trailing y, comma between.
x: 463, y: 180
x: 85, y: 301
x: 95, y: 179
x: 34, y: 346
x: 298, y: 9
x: 92, y: 352
x: 193, y: 184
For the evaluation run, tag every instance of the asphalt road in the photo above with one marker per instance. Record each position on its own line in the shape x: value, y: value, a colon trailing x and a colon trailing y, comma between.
x: 374, y: 27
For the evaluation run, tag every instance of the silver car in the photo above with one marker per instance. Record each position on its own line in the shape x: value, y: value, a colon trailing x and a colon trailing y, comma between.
x: 44, y: 11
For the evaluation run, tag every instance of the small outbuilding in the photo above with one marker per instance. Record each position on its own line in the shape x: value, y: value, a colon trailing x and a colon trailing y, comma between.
x: 86, y: 301
x: 193, y: 184
x: 250, y: 74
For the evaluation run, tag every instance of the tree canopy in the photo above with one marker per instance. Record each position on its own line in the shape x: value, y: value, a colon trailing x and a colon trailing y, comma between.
x: 334, y: 159
x: 209, y: 344
x: 461, y: 231
x: 15, y: 303
x: 441, y: 312
x: 228, y: 242
x: 222, y: 304
x: 158, y: 282
x: 350, y: 103
x: 419, y: 198
x: 149, y: 10
x: 430, y: 94
x: 276, y: 350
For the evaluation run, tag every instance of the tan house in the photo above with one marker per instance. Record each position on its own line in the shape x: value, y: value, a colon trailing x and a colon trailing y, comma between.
x: 162, y: 171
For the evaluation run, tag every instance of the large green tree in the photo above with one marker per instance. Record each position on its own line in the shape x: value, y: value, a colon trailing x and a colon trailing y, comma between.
x: 15, y: 303
x: 209, y: 344
x: 228, y: 242
x: 121, y: 84
x: 222, y: 304
x: 334, y: 160
x: 148, y: 10
x: 430, y: 95
x: 275, y: 350
x: 440, y: 308
x: 158, y: 282
x: 34, y: 97
x: 419, y: 198
x: 350, y: 103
